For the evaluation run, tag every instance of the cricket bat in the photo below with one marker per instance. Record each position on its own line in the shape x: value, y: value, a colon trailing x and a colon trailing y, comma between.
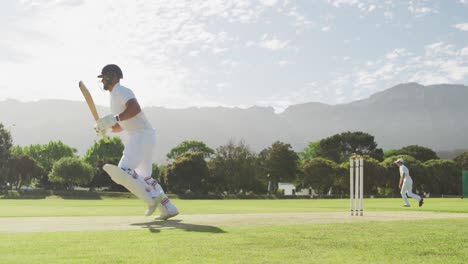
x: 91, y: 105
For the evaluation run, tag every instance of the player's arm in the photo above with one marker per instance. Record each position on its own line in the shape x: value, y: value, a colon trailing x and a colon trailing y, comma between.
x: 132, y: 108
x: 402, y: 177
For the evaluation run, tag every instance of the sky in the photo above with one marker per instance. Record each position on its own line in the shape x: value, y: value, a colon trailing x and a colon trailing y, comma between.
x: 232, y: 53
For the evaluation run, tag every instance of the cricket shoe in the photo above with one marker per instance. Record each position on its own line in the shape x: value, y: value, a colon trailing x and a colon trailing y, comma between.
x: 168, y: 210
x: 152, y: 208
x: 421, y: 202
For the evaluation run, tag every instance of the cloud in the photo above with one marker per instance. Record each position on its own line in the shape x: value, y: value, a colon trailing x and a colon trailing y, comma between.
x: 284, y: 62
x: 272, y: 43
x: 338, y: 3
x: 281, y: 101
x: 325, y: 29
x: 419, y: 9
x: 434, y: 63
x: 396, y: 53
x: 464, y: 52
x: 461, y: 26
x: 364, y: 6
x: 268, y: 2
x: 300, y: 21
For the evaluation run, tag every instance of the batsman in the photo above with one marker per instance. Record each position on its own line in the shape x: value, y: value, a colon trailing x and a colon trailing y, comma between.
x: 139, y: 138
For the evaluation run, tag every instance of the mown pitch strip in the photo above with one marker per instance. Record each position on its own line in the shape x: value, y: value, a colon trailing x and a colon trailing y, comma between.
x: 202, y: 221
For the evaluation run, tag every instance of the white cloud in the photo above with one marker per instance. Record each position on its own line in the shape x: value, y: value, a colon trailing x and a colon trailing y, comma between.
x: 439, y: 49
x: 284, y: 62
x: 365, y: 6
x: 268, y: 2
x: 230, y: 63
x: 301, y: 22
x: 436, y: 63
x: 419, y: 8
x: 464, y: 52
x: 272, y: 43
x: 325, y: 29
x: 339, y: 3
x: 396, y: 53
x: 461, y: 26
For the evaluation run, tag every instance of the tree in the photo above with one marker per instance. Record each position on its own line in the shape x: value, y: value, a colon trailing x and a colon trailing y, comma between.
x: 310, y: 152
x: 280, y: 163
x: 391, y: 153
x: 46, y: 155
x: 188, y: 171
x: 374, y: 176
x: 340, y: 147
x: 444, y: 177
x: 22, y: 170
x: 160, y: 175
x: 233, y: 169
x: 110, y: 148
x: 319, y: 173
x: 5, y: 145
x: 462, y: 161
x: 192, y: 146
x: 105, y: 151
x: 71, y: 171
x: 418, y: 152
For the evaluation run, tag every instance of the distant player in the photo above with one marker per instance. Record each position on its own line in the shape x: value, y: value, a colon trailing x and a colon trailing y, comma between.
x: 135, y: 166
x: 406, y: 184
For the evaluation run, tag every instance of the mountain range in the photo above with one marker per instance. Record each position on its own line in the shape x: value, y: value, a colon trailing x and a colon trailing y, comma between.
x: 433, y: 116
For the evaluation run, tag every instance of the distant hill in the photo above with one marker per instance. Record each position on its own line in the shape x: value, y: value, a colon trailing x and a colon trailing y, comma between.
x: 434, y: 116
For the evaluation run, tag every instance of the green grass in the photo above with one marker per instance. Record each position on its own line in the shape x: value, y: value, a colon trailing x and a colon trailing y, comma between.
x: 424, y: 241
x: 428, y: 241
x: 110, y: 207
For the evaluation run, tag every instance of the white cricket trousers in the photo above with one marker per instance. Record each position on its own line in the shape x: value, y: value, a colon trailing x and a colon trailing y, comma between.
x: 138, y: 152
x: 407, y: 188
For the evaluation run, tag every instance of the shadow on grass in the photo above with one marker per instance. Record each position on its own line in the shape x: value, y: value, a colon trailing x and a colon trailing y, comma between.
x: 157, y: 226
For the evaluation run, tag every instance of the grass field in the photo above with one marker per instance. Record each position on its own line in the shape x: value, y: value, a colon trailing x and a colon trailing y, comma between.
x: 422, y: 241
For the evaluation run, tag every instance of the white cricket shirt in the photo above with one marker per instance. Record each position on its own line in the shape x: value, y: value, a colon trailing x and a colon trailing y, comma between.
x: 405, y: 170
x: 119, y: 96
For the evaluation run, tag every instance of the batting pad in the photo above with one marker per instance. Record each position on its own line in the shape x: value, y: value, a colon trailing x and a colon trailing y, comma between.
x: 136, y: 185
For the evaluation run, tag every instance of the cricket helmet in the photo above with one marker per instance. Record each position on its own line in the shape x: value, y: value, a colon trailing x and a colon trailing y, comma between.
x: 111, y: 69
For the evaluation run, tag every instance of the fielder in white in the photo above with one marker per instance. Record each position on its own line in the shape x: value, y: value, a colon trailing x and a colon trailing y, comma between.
x: 406, y: 184
x: 139, y: 137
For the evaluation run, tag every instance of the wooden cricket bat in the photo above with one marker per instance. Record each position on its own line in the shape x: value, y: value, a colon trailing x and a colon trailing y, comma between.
x: 89, y: 100
x: 91, y: 105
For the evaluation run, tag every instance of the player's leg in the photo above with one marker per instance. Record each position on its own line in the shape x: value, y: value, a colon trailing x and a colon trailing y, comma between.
x: 133, y: 155
x: 404, y: 190
x: 413, y: 195
x: 145, y: 168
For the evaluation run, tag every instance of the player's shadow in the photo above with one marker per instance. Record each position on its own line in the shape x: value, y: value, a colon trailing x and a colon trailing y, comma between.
x: 157, y: 226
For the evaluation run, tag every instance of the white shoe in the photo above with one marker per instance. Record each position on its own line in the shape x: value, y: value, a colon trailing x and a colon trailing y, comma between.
x: 168, y: 210
x: 165, y: 216
x: 151, y: 209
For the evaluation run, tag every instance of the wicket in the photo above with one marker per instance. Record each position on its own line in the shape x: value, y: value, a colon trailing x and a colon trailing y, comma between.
x: 356, y: 185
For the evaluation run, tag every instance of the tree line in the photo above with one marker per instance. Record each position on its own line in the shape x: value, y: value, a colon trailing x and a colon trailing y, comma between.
x: 233, y: 168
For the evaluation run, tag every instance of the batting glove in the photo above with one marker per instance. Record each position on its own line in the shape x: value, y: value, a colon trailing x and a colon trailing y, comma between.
x: 106, y: 122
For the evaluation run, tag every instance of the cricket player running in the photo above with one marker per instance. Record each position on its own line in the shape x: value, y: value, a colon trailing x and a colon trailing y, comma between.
x: 406, y: 184
x: 139, y: 137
